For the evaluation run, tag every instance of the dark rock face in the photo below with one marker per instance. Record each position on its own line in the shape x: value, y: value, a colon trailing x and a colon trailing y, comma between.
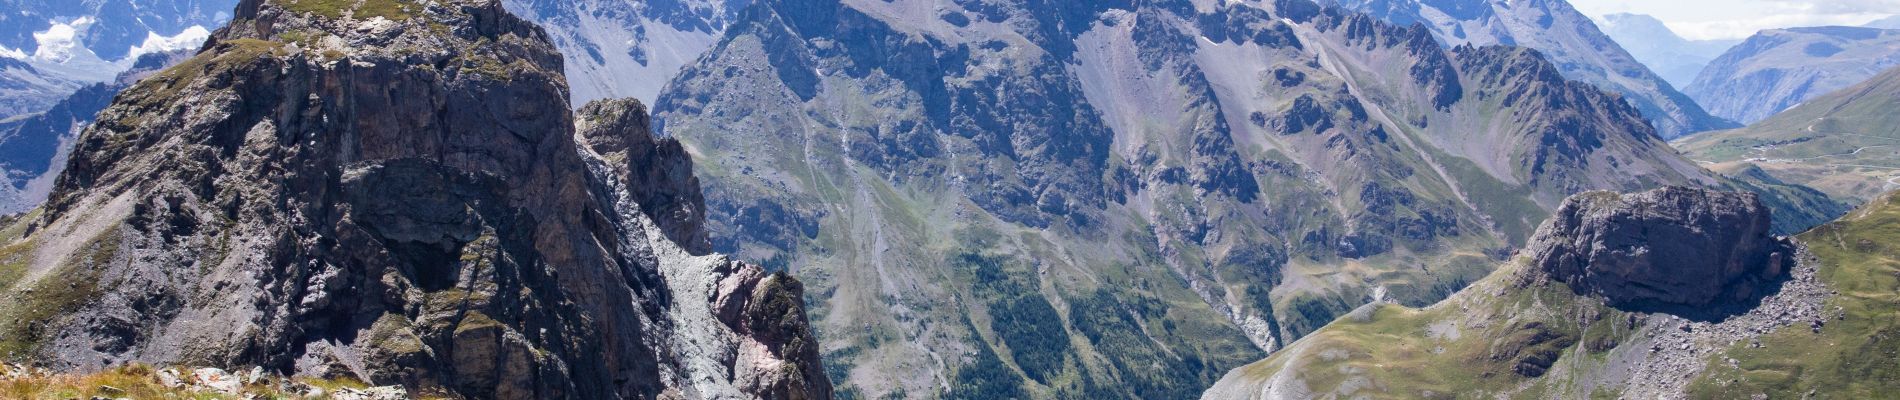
x: 396, y: 194
x: 1670, y: 247
x: 657, y: 171
x: 30, y: 148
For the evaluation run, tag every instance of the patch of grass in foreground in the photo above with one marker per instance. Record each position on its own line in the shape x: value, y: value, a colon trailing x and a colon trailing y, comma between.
x: 139, y: 381
x: 394, y: 10
x: 1394, y: 352
x: 1852, y: 357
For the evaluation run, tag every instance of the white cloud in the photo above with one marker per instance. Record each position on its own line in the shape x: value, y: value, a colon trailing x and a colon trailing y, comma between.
x: 1736, y: 29
x: 1841, y: 6
x: 1735, y: 19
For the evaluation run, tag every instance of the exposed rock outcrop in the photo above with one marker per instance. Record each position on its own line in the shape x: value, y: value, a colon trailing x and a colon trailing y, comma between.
x: 393, y: 191
x: 1670, y: 247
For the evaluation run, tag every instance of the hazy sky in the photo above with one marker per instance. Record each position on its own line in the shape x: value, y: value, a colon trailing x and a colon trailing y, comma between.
x: 1735, y: 19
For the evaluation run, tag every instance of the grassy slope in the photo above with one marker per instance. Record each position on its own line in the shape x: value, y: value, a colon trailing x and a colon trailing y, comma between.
x: 1471, y: 345
x: 1846, y: 143
x: 1852, y: 357
x: 1396, y: 352
x: 141, y: 382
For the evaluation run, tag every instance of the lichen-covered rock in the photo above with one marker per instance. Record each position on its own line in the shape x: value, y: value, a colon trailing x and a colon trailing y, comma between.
x: 391, y: 191
x: 1669, y: 247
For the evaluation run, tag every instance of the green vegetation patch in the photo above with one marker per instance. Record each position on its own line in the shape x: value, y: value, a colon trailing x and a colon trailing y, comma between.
x: 1020, y: 316
x: 33, y: 311
x: 1149, y: 370
x: 1854, y: 355
x: 394, y: 10
x: 986, y: 378
x: 1389, y: 351
x: 155, y: 95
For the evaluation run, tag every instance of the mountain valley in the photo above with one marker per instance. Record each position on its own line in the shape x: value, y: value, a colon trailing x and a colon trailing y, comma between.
x: 937, y: 199
x: 1228, y: 179
x: 1674, y: 58
x: 1842, y: 143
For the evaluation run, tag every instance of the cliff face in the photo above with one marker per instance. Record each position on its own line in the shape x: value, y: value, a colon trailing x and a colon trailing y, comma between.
x: 394, y: 191
x: 1670, y: 248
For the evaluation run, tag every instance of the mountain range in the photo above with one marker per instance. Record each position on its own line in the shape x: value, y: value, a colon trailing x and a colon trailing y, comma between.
x: 1676, y: 59
x: 1780, y: 68
x: 53, y: 48
x: 604, y: 42
x: 1885, y: 23
x: 1217, y: 182
x: 1568, y: 38
x: 983, y: 199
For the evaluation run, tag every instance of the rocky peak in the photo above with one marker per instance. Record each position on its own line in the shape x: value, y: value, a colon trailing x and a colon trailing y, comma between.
x: 657, y: 171
x: 1673, y: 248
x: 394, y: 191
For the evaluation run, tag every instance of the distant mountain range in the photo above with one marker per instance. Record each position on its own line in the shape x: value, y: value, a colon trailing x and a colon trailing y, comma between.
x: 628, y: 48
x: 1676, y: 59
x: 57, y: 47
x: 1885, y: 23
x: 1571, y: 40
x: 1780, y: 68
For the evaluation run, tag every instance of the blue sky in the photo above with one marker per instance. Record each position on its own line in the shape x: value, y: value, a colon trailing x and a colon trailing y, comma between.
x: 1735, y: 19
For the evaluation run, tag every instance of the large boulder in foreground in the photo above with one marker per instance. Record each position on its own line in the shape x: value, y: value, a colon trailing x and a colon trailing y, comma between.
x: 1673, y: 247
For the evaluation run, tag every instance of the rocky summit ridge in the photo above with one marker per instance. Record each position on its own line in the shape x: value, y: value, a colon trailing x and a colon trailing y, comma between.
x: 393, y: 191
x: 1673, y: 247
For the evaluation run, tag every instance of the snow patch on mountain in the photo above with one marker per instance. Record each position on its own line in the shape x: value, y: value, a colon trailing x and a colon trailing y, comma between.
x: 192, y: 37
